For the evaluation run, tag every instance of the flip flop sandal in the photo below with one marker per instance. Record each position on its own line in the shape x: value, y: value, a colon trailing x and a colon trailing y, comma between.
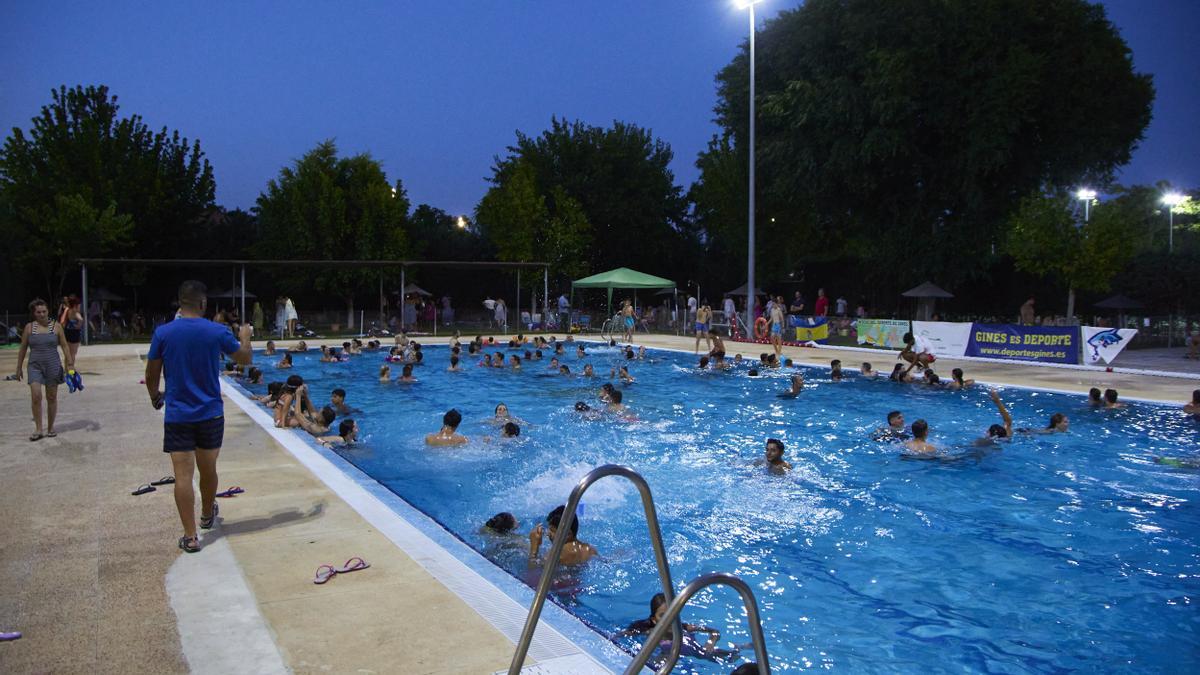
x: 189, y: 544
x: 324, y: 573
x: 35, y: 437
x: 353, y: 565
x: 9, y: 637
x: 207, y: 523
x: 165, y: 480
x: 231, y: 492
x: 143, y: 489
x: 51, y: 434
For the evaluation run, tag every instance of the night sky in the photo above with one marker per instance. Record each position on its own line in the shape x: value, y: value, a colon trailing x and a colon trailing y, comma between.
x: 434, y: 90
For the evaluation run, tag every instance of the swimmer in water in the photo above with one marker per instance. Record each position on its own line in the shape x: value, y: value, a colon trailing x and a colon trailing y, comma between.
x: 894, y: 431
x: 957, y: 381
x: 931, y: 379
x: 1110, y: 399
x: 624, y: 375
x: 1193, y: 408
x: 500, y: 524
x: 1059, y: 423
x: 737, y: 359
x: 691, y: 647
x: 515, y: 361
x: 917, y: 445
x: 703, y: 362
x: 385, y: 373
x: 796, y: 388
x: 454, y: 365
x: 448, y: 434
x: 346, y: 435
x: 406, y: 376
x: 867, y: 372
x: 1095, y: 397
x: 998, y: 432
x: 835, y: 370
x: 564, y: 370
x: 606, y: 391
x: 588, y: 371
x: 285, y: 362
x: 270, y: 348
x: 553, y: 363
x: 614, y: 401
x: 580, y: 352
x: 901, y: 374
x: 718, y: 345
x: 773, y: 457
x: 502, y: 416
x: 574, y: 551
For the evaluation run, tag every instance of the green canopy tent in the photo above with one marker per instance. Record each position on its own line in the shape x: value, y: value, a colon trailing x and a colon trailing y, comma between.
x: 622, y: 277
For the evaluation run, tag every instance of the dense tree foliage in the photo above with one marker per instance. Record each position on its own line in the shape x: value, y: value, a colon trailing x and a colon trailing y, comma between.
x: 586, y: 198
x: 1047, y: 237
x: 85, y: 181
x: 326, y: 207
x: 915, y: 128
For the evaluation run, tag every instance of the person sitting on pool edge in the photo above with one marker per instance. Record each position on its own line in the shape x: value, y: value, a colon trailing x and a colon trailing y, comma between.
x: 448, y: 435
x: 773, y: 457
x: 574, y: 551
x: 917, y: 445
x: 346, y: 435
x: 691, y: 647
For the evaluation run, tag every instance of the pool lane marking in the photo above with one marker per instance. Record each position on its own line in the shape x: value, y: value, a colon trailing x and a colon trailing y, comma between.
x: 496, y: 607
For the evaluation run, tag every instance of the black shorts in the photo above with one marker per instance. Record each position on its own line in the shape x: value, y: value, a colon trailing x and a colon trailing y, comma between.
x: 188, y: 436
x: 73, y: 335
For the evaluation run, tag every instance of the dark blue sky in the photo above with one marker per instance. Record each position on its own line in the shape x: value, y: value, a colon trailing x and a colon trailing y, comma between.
x: 435, y: 89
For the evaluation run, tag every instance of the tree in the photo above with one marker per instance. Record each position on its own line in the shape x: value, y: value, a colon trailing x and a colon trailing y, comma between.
x: 616, y: 179
x: 523, y: 224
x: 437, y: 235
x: 1045, y: 239
x: 63, y: 229
x: 81, y: 157
x: 328, y: 208
x: 920, y: 125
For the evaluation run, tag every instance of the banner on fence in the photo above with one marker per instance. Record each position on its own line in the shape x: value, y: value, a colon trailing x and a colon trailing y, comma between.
x: 1051, y: 344
x: 945, y: 338
x: 1104, y: 343
x: 811, y: 328
x: 881, y: 332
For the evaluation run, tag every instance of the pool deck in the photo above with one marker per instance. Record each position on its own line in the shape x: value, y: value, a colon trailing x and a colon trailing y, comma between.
x: 96, y: 584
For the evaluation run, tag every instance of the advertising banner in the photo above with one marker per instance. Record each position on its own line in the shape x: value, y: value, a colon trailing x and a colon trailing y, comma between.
x: 1051, y: 344
x: 1104, y: 343
x: 944, y: 338
x: 881, y: 332
x: 810, y: 328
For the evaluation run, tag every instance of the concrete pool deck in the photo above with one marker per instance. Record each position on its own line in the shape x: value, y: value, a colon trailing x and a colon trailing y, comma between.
x: 94, y: 580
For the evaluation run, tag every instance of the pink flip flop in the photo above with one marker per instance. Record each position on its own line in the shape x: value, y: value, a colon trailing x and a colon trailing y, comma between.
x: 324, y: 573
x: 353, y: 565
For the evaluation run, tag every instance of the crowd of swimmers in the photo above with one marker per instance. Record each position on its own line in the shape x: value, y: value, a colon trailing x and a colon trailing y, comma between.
x: 293, y: 407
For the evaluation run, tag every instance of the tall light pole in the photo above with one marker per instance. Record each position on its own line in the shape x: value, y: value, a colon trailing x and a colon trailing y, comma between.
x: 1086, y: 196
x: 749, y: 4
x: 1172, y: 199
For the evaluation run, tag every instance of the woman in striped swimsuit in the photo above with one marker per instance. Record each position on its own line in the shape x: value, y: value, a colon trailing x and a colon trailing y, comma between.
x: 42, y: 338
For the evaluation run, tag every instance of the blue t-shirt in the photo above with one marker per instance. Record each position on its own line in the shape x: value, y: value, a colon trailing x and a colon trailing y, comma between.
x: 191, y: 351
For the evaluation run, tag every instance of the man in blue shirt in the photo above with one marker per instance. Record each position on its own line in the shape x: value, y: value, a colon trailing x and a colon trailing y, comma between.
x: 189, y: 351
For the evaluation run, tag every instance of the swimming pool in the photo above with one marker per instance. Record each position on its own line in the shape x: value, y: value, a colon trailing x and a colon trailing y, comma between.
x: 1066, y: 551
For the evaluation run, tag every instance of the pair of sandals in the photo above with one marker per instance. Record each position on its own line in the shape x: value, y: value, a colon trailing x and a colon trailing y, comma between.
x: 327, y: 572
x: 37, y: 436
x: 149, y: 487
x: 192, y: 544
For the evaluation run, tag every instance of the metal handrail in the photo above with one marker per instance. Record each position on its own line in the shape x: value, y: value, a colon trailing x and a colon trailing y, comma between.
x: 564, y: 525
x: 607, y: 328
x: 671, y: 620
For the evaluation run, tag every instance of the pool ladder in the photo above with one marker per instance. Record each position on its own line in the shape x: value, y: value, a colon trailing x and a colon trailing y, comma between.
x: 672, y: 621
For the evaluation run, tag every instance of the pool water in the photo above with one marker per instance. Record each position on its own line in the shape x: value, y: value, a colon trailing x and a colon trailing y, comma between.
x: 1054, y: 552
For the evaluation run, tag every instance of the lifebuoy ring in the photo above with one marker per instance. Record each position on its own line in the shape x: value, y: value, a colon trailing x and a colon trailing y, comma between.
x: 760, y: 328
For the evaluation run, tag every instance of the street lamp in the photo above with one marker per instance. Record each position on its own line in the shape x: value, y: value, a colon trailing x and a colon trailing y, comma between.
x: 1086, y: 196
x: 462, y: 223
x: 1172, y: 199
x: 749, y: 4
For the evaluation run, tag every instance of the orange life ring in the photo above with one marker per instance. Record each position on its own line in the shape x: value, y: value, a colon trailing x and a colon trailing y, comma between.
x: 760, y: 328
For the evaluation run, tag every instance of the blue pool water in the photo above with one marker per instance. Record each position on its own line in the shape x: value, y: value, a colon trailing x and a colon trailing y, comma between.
x: 1053, y: 553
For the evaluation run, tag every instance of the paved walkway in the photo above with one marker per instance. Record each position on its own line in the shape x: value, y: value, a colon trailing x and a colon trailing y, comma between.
x: 94, y: 580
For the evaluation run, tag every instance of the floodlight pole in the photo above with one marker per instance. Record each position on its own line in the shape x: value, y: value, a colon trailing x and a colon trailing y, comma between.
x: 86, y: 320
x: 545, y: 296
x: 750, y: 248
x: 243, y: 314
